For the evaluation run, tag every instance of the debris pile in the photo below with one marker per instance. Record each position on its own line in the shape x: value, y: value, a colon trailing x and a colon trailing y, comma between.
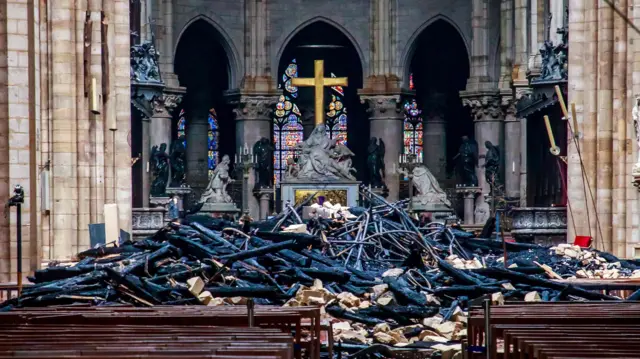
x: 379, y: 277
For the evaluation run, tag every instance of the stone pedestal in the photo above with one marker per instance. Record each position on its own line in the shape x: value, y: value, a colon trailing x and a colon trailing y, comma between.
x: 438, y: 211
x: 386, y: 122
x: 539, y: 223
x: 345, y: 193
x: 147, y: 221
x: 218, y: 209
x: 264, y: 196
x: 180, y: 192
x: 158, y: 202
x: 469, y: 195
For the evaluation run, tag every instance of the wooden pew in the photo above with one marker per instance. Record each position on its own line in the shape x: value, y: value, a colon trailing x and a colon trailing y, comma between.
x: 285, y: 319
x: 551, y: 329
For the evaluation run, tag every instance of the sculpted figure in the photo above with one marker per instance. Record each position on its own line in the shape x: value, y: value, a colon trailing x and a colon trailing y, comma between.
x: 491, y: 164
x: 263, y: 150
x: 427, y: 187
x: 160, y: 170
x: 216, y: 191
x: 375, y: 162
x: 178, y: 161
x: 467, y: 162
x: 144, y: 63
x: 322, y: 159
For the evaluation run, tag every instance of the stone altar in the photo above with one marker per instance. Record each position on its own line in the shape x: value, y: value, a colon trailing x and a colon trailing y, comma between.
x: 323, y: 167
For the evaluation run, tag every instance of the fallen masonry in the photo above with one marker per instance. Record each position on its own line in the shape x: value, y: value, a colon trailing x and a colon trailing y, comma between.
x: 383, y: 282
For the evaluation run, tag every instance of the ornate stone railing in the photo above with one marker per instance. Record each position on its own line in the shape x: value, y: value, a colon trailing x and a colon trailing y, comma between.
x: 147, y: 221
x: 531, y: 222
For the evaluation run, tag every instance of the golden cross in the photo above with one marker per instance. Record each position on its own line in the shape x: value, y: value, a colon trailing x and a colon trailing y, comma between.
x: 318, y: 81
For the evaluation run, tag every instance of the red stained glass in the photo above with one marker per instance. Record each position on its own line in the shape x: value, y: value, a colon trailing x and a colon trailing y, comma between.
x: 412, y: 128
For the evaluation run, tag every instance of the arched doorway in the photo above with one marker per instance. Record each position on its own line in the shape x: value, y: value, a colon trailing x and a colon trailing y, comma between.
x: 203, y: 67
x: 322, y: 41
x: 438, y: 71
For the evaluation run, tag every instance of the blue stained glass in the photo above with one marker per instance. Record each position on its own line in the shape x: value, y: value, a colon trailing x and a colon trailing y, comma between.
x: 412, y: 128
x: 182, y: 126
x: 212, y: 141
x: 287, y: 129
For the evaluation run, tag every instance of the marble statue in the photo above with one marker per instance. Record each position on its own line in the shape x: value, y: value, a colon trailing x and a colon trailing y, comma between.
x: 491, y: 164
x: 263, y: 150
x: 635, y: 113
x: 427, y: 187
x: 375, y: 162
x: 144, y: 63
x: 160, y: 170
x: 322, y: 159
x: 467, y: 162
x: 216, y: 191
x: 177, y: 157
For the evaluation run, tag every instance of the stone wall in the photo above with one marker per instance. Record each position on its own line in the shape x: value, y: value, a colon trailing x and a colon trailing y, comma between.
x: 604, y: 64
x: 46, y: 124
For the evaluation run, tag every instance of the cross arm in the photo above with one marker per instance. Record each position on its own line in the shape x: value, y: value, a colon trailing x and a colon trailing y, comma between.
x: 336, y: 81
x: 297, y: 81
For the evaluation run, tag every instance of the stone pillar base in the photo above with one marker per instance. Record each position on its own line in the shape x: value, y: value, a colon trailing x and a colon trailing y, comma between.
x: 264, y: 196
x: 469, y: 195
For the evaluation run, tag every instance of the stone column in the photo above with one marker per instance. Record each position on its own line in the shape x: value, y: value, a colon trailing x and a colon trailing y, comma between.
x: 488, y: 119
x: 434, y: 136
x: 264, y: 205
x: 511, y: 150
x: 386, y: 122
x: 253, y: 114
x: 159, y: 129
x: 146, y: 157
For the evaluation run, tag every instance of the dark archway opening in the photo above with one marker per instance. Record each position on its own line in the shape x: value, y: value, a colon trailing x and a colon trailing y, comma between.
x: 202, y: 66
x: 440, y: 69
x: 322, y: 41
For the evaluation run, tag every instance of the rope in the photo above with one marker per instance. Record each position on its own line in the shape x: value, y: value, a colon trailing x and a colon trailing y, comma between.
x: 563, y: 181
x: 585, y: 180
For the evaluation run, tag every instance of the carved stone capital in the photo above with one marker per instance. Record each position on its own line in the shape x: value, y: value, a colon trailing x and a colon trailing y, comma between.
x: 508, y: 104
x: 484, y: 106
x: 164, y: 104
x: 253, y: 107
x: 383, y: 106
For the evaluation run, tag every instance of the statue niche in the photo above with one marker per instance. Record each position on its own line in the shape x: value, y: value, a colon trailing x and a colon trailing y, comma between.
x: 263, y: 150
x: 322, y: 159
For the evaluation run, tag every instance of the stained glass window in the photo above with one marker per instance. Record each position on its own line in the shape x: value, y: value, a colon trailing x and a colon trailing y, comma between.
x: 412, y: 128
x: 212, y: 141
x: 182, y: 122
x: 287, y: 128
x: 411, y: 85
x: 337, y: 115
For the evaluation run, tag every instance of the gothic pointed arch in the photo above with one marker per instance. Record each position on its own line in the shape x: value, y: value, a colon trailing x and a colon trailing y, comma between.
x: 202, y: 64
x: 344, y: 116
